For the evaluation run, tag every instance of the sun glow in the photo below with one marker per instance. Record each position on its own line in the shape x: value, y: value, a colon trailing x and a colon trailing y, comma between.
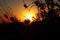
x: 29, y: 16
x: 26, y: 14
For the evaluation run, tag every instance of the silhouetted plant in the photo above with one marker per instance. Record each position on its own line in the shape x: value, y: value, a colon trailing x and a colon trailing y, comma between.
x: 6, y: 16
x: 14, y: 19
x: 27, y: 21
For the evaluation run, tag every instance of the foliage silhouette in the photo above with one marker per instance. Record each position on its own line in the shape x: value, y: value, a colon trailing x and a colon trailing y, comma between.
x: 27, y: 21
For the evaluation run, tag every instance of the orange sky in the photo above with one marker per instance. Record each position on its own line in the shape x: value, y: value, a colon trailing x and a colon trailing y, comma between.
x: 18, y: 10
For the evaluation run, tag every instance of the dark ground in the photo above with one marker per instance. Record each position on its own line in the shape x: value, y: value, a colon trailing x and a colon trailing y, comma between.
x: 19, y: 30
x: 34, y: 30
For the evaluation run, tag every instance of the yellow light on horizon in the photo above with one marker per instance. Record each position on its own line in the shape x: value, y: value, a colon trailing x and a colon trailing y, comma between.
x: 29, y: 16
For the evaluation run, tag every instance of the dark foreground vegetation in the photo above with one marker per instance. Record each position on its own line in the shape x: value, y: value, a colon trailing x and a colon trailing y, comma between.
x: 37, y: 29
x: 34, y: 30
x: 19, y: 30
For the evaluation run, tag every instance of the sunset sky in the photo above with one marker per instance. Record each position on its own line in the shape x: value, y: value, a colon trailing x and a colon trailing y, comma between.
x: 17, y: 7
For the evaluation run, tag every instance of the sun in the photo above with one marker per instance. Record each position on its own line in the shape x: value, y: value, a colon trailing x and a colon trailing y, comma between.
x: 29, y: 16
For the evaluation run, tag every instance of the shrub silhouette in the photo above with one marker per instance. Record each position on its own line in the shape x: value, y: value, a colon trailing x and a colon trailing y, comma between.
x: 27, y: 21
x: 13, y: 19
